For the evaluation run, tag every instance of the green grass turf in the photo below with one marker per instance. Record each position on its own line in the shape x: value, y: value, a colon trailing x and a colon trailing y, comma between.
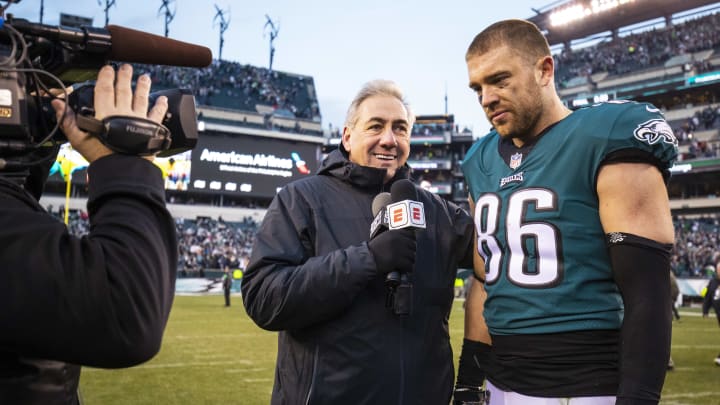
x: 216, y: 355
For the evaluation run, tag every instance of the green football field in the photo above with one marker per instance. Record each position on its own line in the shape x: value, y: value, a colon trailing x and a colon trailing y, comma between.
x: 216, y: 355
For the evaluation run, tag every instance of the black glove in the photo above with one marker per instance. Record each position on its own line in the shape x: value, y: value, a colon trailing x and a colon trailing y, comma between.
x: 474, y: 357
x: 394, y: 250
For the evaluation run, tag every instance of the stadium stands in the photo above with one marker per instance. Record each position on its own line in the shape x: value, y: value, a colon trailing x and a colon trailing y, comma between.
x: 697, y: 245
x: 267, y: 97
x: 689, y: 43
x: 206, y: 243
x: 653, y: 66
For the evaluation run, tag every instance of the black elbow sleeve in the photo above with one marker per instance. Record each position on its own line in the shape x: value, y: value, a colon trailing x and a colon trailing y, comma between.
x: 641, y: 269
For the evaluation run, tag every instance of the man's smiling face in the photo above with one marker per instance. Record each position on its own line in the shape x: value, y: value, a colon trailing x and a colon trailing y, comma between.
x: 380, y: 135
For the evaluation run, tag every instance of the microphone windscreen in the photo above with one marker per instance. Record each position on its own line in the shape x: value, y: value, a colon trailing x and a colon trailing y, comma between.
x: 380, y: 201
x: 403, y: 190
x: 129, y: 45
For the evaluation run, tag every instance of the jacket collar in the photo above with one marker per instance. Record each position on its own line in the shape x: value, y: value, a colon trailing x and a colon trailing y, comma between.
x: 337, y: 164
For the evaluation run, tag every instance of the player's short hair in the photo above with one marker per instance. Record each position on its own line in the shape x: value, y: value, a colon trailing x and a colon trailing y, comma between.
x: 520, y: 35
x: 378, y: 87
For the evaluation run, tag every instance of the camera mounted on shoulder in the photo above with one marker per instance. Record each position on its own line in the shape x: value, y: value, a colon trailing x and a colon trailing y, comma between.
x: 38, y: 62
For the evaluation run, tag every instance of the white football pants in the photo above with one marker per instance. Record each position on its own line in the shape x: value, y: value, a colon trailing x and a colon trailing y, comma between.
x: 499, y: 397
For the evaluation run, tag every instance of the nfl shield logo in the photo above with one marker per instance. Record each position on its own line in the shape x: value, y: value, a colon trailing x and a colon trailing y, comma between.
x: 515, y: 160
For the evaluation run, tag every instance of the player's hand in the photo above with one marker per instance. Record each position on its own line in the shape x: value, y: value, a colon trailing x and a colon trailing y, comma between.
x: 113, y: 96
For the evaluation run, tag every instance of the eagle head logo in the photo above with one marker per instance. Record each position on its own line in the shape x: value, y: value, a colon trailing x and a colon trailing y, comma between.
x: 654, y: 131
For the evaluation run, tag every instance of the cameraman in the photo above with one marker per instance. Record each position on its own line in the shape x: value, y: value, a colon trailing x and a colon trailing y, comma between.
x: 101, y: 300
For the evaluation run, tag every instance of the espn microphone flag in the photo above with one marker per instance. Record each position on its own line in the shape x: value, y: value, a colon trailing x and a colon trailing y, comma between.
x: 379, y: 210
x: 407, y: 213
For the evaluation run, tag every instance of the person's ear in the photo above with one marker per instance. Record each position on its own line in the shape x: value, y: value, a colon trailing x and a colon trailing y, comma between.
x: 546, y: 70
x: 346, y: 138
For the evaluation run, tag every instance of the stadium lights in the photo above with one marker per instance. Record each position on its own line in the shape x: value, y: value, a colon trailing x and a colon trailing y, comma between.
x: 583, y: 10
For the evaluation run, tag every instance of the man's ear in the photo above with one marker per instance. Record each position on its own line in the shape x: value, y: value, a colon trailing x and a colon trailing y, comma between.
x: 346, y: 138
x: 546, y: 70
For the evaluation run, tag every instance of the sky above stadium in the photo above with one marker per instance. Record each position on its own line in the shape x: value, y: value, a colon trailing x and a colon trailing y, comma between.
x: 420, y: 44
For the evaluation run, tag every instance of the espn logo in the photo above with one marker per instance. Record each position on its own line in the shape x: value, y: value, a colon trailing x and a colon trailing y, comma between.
x: 406, y: 214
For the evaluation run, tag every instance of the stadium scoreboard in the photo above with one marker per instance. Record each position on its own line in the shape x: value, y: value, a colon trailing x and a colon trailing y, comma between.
x: 249, y: 165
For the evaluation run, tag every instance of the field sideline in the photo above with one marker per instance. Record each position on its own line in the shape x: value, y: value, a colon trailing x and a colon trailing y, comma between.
x: 217, y: 355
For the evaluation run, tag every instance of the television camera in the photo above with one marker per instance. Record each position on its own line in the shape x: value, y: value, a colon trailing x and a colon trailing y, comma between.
x: 38, y: 62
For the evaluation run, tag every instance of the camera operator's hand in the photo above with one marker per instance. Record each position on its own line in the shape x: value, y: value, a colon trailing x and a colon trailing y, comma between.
x: 394, y: 250
x: 113, y: 96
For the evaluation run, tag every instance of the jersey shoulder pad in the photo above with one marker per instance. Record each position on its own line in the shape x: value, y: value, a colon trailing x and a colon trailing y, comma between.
x: 640, y: 126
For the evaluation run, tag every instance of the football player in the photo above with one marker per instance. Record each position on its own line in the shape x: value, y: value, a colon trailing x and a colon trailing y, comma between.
x: 573, y: 237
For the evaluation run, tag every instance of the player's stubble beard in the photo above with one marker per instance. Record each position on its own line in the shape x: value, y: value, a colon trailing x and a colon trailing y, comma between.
x: 524, y: 117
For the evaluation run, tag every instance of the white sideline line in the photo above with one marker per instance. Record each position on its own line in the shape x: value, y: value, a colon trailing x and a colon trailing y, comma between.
x: 185, y: 364
x: 703, y: 347
x: 222, y: 336
x: 682, y: 313
x: 677, y: 399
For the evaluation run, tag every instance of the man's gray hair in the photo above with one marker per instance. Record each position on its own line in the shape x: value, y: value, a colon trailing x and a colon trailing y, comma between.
x: 378, y: 87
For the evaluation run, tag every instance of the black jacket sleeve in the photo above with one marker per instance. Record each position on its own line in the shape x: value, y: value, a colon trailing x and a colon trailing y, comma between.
x: 286, y: 284
x: 464, y: 228
x: 101, y: 300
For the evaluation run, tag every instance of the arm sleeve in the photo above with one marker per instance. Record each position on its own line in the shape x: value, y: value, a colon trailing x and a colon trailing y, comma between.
x: 641, y: 269
x: 102, y: 300
x: 286, y: 286
x: 464, y: 228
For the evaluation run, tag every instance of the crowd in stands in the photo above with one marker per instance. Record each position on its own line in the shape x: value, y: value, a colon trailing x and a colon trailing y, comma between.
x: 639, y: 51
x: 208, y: 243
x: 697, y: 245
x: 706, y: 119
x: 241, y: 87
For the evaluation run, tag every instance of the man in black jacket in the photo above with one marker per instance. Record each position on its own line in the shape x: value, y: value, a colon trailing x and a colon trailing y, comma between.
x: 101, y: 300
x: 315, y: 277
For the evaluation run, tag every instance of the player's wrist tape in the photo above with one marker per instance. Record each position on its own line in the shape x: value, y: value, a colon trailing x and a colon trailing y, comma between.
x: 126, y: 134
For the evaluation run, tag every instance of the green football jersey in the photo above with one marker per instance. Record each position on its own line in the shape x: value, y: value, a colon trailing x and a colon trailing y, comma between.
x: 537, y: 220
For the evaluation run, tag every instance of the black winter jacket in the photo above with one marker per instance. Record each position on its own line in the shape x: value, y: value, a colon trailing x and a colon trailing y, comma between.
x: 102, y: 300
x: 312, y: 277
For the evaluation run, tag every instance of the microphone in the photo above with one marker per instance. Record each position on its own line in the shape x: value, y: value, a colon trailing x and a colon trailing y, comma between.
x: 129, y: 45
x: 118, y: 43
x: 379, y: 210
x: 403, y: 212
